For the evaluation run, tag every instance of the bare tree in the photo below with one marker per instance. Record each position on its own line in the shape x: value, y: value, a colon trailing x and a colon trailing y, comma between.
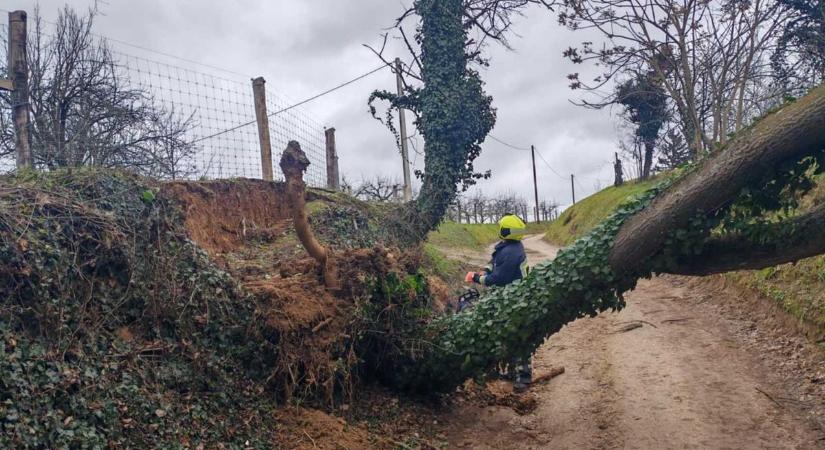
x: 548, y: 210
x: 84, y: 113
x: 707, y: 55
x: 480, y: 208
x: 379, y: 188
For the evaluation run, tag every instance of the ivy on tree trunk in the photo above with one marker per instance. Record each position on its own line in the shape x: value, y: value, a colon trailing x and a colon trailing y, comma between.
x: 453, y: 114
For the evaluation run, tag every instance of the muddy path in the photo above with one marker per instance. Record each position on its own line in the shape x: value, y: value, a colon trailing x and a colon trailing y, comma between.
x: 671, y: 371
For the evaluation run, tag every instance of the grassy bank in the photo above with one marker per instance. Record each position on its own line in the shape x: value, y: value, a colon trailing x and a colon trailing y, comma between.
x: 583, y: 216
x: 472, y: 236
x: 799, y: 288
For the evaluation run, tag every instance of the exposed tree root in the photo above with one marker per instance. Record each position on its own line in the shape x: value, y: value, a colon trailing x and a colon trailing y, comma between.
x: 294, y: 163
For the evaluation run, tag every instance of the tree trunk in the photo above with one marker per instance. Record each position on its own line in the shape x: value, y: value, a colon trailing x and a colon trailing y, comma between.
x: 650, y: 145
x: 452, y: 138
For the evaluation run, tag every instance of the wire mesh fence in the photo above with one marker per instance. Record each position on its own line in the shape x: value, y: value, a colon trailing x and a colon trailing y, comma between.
x: 178, y: 119
x: 6, y: 158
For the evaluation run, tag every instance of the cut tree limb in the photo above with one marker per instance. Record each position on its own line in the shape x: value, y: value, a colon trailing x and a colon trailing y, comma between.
x: 790, y: 133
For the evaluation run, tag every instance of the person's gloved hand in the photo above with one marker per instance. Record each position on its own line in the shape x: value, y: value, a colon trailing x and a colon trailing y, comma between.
x: 473, y: 277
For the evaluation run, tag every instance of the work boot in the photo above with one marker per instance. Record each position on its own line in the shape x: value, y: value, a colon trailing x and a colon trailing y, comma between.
x: 523, y: 377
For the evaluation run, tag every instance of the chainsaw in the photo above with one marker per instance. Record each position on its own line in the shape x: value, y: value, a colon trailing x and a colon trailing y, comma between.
x: 467, y: 299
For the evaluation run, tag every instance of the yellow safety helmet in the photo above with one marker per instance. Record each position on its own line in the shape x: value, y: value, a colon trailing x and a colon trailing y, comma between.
x: 511, y: 227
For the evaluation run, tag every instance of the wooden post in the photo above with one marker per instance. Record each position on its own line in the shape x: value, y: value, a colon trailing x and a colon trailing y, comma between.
x: 333, y: 180
x: 405, y: 157
x: 19, y: 73
x: 259, y: 91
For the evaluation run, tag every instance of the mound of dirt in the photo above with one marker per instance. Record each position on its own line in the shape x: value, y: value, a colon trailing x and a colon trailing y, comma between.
x: 220, y: 215
x: 311, y: 429
x: 154, y: 315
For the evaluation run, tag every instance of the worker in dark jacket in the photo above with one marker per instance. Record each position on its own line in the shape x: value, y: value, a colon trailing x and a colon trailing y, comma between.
x: 508, y: 264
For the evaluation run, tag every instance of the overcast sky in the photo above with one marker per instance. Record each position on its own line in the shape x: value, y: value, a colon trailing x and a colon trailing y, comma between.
x: 305, y: 47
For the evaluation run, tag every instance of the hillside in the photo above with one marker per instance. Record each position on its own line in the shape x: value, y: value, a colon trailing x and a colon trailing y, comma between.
x: 798, y: 288
x: 577, y: 220
x: 472, y: 236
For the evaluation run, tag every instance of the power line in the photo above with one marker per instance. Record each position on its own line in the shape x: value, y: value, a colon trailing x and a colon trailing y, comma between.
x: 514, y: 147
x: 550, y: 167
x: 302, y: 102
x: 506, y: 144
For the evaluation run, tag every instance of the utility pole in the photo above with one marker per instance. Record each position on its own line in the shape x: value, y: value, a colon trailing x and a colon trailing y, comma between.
x: 405, y: 157
x: 19, y: 85
x: 259, y: 92
x: 535, y: 183
x: 573, y: 187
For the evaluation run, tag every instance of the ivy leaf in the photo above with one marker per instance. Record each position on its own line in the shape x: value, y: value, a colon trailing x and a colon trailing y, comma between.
x: 147, y: 196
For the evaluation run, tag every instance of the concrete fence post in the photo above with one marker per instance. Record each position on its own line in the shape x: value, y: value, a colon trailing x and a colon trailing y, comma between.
x: 333, y: 178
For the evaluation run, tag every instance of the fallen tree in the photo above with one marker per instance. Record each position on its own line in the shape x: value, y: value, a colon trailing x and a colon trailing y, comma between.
x: 691, y: 223
x: 730, y: 211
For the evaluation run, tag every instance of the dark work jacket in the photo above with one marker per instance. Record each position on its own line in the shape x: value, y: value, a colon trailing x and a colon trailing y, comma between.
x: 506, y: 263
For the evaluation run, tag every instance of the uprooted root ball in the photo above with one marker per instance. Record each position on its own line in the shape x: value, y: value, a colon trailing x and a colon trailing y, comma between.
x: 135, y: 313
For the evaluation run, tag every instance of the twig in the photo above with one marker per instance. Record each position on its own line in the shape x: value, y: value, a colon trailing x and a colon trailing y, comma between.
x: 628, y: 327
x: 638, y: 322
x: 647, y: 323
x: 321, y: 325
x: 682, y: 319
x: 554, y: 372
x: 769, y: 397
x: 314, y: 445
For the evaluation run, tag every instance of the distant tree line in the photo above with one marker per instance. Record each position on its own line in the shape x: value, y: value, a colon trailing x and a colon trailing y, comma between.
x: 481, y: 208
x: 466, y: 208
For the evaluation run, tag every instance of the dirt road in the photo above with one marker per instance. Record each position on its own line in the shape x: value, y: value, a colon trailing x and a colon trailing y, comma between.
x: 681, y: 378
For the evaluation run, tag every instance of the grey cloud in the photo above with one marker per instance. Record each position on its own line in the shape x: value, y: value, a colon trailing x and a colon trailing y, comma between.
x: 304, y: 47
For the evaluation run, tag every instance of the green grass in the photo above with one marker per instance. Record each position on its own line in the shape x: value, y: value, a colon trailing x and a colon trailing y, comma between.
x: 586, y: 214
x: 438, y: 264
x: 472, y: 236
